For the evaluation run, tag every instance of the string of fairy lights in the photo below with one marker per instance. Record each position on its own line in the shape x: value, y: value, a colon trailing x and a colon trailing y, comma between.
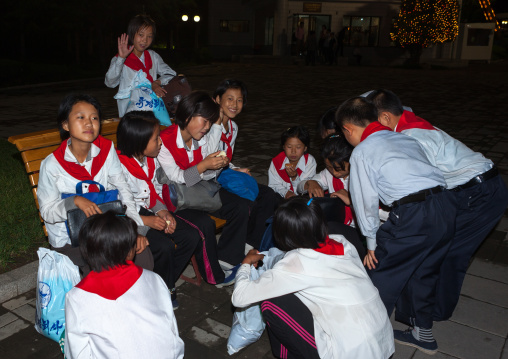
x: 488, y: 12
x: 425, y: 22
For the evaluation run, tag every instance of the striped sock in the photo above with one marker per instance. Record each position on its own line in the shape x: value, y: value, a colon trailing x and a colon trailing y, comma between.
x: 422, y: 334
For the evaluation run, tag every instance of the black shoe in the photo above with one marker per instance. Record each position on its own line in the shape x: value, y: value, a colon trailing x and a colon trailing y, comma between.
x: 405, y: 337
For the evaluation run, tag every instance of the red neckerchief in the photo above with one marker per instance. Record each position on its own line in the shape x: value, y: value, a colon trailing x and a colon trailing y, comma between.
x: 372, y: 128
x: 79, y: 172
x: 137, y: 171
x: 168, y: 137
x: 410, y: 120
x: 112, y: 283
x: 226, y: 138
x: 338, y: 185
x: 277, y: 162
x: 331, y: 247
x: 133, y: 62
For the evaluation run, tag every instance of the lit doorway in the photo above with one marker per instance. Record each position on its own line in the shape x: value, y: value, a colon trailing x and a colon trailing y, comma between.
x: 310, y: 23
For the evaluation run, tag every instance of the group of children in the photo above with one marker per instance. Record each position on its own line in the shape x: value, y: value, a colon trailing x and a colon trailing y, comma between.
x: 319, y: 300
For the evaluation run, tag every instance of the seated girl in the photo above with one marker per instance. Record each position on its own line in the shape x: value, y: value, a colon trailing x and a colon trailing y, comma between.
x: 293, y: 164
x: 119, y: 310
x: 189, y: 154
x: 231, y: 95
x: 83, y: 155
x: 172, y: 240
x: 318, y: 301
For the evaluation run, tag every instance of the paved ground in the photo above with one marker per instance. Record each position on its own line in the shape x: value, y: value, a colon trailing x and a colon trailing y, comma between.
x: 470, y: 104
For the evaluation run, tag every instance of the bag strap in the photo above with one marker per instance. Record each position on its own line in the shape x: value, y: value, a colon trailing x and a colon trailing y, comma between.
x: 79, y: 186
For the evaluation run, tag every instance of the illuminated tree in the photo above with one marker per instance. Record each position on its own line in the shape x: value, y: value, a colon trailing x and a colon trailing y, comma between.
x: 421, y: 23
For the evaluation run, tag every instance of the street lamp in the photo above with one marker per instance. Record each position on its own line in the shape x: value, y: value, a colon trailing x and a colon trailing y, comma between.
x: 185, y: 18
x: 197, y: 18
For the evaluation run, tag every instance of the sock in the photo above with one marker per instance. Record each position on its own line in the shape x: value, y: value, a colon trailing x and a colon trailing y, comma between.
x: 422, y: 334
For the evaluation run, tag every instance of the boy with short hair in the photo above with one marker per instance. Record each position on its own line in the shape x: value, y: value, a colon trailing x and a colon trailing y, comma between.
x: 474, y: 180
x: 405, y: 253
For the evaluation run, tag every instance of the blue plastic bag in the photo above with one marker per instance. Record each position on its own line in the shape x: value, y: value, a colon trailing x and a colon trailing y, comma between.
x: 267, y: 240
x: 239, y: 183
x: 248, y: 324
x: 143, y: 98
x: 55, y: 277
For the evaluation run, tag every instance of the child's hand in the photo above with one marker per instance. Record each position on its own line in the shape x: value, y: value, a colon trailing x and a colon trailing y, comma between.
x: 289, y: 194
x: 244, y: 170
x: 253, y: 257
x: 291, y: 171
x: 369, y: 260
x: 343, y: 195
x: 87, y: 206
x: 123, y: 46
x: 314, y: 189
x: 141, y: 243
x: 169, y: 220
x: 154, y: 222
x: 157, y: 88
x: 212, y: 162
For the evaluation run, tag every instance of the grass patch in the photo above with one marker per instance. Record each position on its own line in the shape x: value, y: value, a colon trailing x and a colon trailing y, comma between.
x: 20, y: 227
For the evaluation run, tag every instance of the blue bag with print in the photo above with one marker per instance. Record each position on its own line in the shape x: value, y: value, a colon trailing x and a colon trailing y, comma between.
x: 239, y: 183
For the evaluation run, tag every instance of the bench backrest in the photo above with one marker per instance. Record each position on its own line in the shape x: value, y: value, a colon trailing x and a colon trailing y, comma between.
x: 36, y: 146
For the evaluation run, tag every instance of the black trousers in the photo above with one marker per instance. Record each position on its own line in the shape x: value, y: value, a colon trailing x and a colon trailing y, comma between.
x: 290, y: 327
x: 171, y: 252
x: 260, y: 210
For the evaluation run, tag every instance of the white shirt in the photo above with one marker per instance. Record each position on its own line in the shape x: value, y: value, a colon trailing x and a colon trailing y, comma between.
x: 54, y: 180
x: 138, y: 324
x: 387, y: 166
x: 325, y: 180
x: 280, y: 186
x: 139, y: 188
x: 457, y: 161
x: 118, y: 74
x: 222, y: 146
x: 350, y: 320
x: 208, y: 144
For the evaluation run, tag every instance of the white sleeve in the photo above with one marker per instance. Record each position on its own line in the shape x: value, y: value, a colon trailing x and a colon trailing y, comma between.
x: 77, y: 342
x: 168, y: 164
x: 116, y: 179
x: 164, y: 72
x: 320, y: 178
x: 213, y: 139
x: 51, y: 205
x: 115, y: 72
x: 235, y: 135
x: 272, y: 283
x: 275, y: 182
x: 310, y: 171
x: 365, y: 199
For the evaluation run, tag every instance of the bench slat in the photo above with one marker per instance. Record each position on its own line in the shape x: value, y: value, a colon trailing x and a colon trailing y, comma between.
x: 34, y: 179
x: 37, y: 154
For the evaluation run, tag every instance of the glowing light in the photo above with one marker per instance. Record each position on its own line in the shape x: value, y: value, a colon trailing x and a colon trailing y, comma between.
x: 196, y: 18
x: 185, y: 18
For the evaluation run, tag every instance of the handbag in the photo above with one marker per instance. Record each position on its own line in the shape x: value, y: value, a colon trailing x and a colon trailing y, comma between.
x: 334, y: 209
x: 203, y: 196
x: 176, y: 89
x: 239, y: 183
x: 106, y: 201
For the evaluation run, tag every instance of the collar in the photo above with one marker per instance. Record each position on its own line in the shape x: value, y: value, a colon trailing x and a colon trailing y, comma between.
x: 69, y: 156
x: 373, y: 127
x: 195, y: 144
x: 112, y: 283
x: 331, y: 247
x: 300, y: 165
x: 409, y: 120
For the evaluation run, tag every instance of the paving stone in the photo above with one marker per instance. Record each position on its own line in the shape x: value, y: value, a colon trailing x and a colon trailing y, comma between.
x: 8, y: 288
x: 215, y: 327
x: 16, y: 302
x: 489, y: 270
x: 203, y: 337
x: 504, y: 355
x: 191, y: 311
x: 485, y: 290
x: 195, y: 350
x: 26, y: 312
x: 403, y: 352
x: 207, y: 292
x: 12, y: 328
x: 483, y: 316
x: 465, y: 342
x: 7, y: 318
x: 27, y: 343
x: 421, y: 355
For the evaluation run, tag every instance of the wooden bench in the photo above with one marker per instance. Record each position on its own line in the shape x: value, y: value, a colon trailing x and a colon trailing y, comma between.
x: 36, y: 146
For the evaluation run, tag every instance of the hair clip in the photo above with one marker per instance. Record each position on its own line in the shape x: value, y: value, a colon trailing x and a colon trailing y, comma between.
x: 120, y: 215
x: 310, y: 201
x: 334, y: 136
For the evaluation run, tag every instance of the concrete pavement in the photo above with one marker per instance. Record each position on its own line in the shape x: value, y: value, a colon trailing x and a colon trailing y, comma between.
x: 467, y: 103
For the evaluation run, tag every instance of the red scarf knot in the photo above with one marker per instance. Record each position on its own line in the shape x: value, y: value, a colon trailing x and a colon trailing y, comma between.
x: 169, y: 137
x: 373, y: 127
x: 226, y: 139
x: 331, y: 247
x: 279, y: 160
x: 133, y: 62
x: 409, y: 120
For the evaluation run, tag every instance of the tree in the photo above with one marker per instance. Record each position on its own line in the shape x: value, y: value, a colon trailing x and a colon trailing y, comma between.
x: 421, y: 23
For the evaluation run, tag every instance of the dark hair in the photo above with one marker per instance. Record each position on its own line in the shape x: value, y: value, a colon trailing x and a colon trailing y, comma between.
x: 231, y: 84
x: 134, y: 131
x: 137, y: 23
x: 357, y: 111
x: 106, y: 239
x: 386, y: 100
x: 327, y: 121
x: 337, y: 150
x: 297, y: 224
x: 299, y: 132
x: 197, y: 103
x: 65, y: 109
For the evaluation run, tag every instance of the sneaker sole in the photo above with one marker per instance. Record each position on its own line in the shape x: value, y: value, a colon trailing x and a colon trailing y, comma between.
x: 426, y: 351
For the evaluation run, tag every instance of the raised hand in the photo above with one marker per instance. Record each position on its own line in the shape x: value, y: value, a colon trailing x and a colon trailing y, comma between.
x: 123, y: 46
